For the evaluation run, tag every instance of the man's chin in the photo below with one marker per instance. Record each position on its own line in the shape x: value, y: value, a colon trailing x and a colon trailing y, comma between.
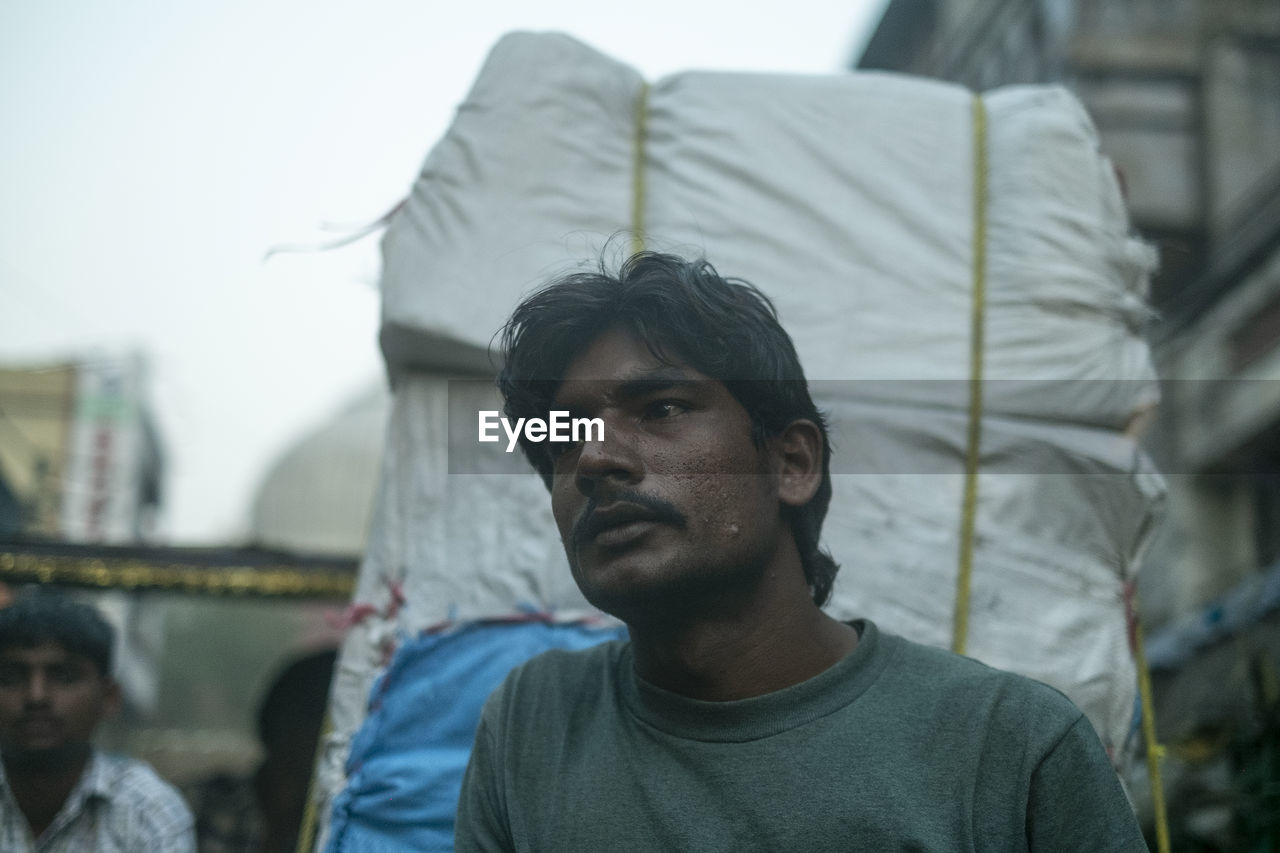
x: 636, y: 594
x: 40, y: 756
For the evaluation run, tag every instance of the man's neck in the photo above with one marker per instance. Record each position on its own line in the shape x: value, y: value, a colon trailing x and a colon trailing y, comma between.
x: 41, y: 785
x: 773, y: 639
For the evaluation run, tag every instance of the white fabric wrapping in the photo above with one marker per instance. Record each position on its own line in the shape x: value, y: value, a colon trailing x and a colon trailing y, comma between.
x: 849, y: 200
x: 536, y: 165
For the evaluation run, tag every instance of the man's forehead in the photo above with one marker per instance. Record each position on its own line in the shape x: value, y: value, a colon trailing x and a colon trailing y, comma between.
x: 618, y: 363
x: 619, y: 351
x: 627, y: 378
x: 630, y: 386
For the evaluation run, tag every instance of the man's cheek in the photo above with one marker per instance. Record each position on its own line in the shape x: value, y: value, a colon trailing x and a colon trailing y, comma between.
x: 564, y: 516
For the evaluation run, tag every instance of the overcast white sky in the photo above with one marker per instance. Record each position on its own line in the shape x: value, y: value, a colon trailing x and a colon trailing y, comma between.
x: 153, y: 150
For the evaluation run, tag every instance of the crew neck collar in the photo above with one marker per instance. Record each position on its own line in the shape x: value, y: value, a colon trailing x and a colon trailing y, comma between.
x: 760, y: 716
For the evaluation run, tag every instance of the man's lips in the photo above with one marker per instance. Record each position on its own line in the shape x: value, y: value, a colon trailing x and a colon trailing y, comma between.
x: 615, y: 525
x: 621, y: 521
x: 37, y: 725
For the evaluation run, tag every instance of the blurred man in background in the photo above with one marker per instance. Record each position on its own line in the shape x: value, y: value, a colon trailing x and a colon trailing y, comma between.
x: 57, y: 793
x: 263, y: 813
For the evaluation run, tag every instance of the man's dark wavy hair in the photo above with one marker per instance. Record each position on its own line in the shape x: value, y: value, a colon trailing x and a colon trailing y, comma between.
x: 724, y: 328
x: 44, y: 616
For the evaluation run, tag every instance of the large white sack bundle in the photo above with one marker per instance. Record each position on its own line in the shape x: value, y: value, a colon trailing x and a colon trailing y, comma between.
x: 849, y: 199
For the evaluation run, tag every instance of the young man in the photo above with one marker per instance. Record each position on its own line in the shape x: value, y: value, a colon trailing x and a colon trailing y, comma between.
x: 739, y: 716
x: 56, y: 792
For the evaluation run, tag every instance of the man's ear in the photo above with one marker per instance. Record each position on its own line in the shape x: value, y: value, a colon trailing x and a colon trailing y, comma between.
x: 798, y: 454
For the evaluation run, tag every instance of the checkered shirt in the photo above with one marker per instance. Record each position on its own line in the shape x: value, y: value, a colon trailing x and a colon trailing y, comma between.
x: 119, y: 806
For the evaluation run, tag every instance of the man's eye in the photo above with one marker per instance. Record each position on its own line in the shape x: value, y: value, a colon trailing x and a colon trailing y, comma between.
x: 665, y: 409
x: 65, y: 674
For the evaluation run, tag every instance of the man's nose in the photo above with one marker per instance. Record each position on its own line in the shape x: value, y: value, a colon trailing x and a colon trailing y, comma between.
x: 614, y: 458
x: 37, y: 688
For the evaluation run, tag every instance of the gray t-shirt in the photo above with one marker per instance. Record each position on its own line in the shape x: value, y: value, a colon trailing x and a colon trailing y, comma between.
x: 897, y: 747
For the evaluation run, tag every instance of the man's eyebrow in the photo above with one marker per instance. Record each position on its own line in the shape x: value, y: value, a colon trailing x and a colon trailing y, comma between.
x: 661, y: 379
x: 667, y: 378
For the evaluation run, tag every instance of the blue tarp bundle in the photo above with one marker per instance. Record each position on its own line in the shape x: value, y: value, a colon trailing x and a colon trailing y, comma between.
x: 406, y: 762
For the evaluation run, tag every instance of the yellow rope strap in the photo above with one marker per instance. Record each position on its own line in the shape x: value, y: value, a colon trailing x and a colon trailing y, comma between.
x: 1155, y: 752
x: 637, y: 172
x: 969, y: 507
x: 310, y: 826
x: 964, y: 576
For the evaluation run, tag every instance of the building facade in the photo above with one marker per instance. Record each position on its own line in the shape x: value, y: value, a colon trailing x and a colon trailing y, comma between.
x: 79, y: 453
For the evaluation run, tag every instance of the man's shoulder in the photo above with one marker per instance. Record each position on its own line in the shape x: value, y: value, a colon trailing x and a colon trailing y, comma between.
x: 960, y: 682
x: 565, y: 669
x: 125, y: 772
x: 559, y: 677
x: 133, y: 786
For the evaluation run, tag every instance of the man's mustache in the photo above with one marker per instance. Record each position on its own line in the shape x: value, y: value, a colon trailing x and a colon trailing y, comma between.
x: 624, y: 505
